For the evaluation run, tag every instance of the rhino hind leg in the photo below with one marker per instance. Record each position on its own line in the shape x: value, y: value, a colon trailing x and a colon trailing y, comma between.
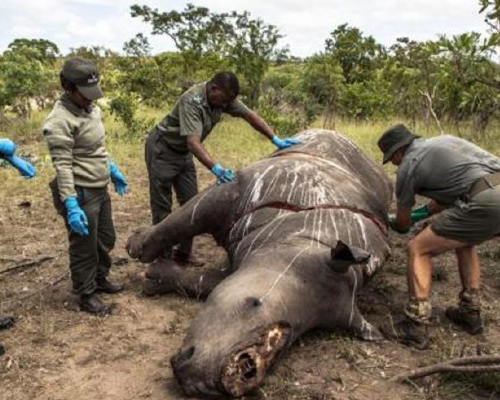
x: 165, y: 276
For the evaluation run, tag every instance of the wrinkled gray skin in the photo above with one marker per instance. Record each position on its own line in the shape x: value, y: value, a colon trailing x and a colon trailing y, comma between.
x: 303, y: 229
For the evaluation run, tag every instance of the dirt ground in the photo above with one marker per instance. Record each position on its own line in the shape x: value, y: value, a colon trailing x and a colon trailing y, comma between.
x: 57, y: 353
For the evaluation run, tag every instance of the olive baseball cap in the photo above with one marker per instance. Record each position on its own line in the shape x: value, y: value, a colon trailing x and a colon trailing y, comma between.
x: 393, y: 139
x: 84, y: 75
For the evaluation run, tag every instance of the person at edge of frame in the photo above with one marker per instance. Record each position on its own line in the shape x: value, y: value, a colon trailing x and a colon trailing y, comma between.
x: 462, y: 180
x: 75, y: 136
x: 8, y: 152
x: 179, y: 135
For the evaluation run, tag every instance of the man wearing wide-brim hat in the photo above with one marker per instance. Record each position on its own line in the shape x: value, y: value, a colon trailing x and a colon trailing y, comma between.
x: 462, y: 181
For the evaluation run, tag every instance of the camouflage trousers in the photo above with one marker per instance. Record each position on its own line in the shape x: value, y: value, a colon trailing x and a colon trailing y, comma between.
x: 421, y: 310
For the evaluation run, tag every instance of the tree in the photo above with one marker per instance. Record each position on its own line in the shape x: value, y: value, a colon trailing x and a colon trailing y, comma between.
x: 27, y: 74
x: 137, y: 47
x: 195, y: 32
x: 249, y: 44
x: 357, y: 55
x: 323, y: 81
x: 411, y: 70
x: 44, y: 50
x: 491, y: 9
x: 252, y: 46
x: 468, y: 79
x: 364, y: 92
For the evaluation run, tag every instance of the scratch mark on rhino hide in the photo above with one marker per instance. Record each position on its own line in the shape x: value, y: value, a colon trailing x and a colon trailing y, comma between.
x: 277, y: 221
x: 353, y: 299
x: 282, y: 274
x: 196, y: 206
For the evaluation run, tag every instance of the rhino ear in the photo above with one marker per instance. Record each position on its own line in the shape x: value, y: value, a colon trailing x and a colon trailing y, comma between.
x: 343, y: 256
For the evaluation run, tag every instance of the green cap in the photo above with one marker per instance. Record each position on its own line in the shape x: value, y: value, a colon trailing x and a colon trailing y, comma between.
x: 84, y: 75
x: 393, y: 139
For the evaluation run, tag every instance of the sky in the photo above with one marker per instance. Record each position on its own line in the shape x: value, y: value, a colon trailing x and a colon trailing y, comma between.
x: 305, y: 24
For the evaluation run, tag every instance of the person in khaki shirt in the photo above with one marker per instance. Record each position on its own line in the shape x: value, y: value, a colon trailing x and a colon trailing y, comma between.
x: 173, y: 142
x: 463, y: 183
x: 75, y: 137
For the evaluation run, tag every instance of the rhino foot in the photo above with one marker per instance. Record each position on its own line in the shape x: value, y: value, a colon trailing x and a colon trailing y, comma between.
x: 160, y: 278
x: 135, y: 243
x: 367, y: 331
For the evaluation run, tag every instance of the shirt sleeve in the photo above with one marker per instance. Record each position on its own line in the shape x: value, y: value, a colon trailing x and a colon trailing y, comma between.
x: 237, y: 109
x: 189, y: 118
x: 60, y: 141
x: 405, y: 188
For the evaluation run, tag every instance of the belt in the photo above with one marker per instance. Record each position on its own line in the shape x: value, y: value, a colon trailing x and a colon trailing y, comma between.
x: 484, y: 183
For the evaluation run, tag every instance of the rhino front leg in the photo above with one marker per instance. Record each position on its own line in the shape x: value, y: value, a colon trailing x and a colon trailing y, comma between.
x: 208, y: 212
x: 164, y: 276
x: 361, y: 328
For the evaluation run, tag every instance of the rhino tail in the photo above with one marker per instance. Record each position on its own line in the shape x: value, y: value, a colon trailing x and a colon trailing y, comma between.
x: 343, y: 256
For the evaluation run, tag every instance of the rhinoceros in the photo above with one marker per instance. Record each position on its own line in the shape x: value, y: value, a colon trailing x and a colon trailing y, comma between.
x: 304, y: 230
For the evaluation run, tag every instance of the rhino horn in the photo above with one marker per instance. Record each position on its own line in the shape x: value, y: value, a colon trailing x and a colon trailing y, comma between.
x: 343, y: 256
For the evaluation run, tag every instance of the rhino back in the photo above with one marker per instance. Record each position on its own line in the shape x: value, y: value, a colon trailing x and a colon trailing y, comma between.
x: 309, y: 196
x: 326, y: 170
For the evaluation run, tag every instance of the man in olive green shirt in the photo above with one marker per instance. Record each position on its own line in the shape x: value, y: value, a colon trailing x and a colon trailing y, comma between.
x: 179, y: 136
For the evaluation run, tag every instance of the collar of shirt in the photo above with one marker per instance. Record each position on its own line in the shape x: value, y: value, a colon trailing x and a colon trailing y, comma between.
x: 200, y: 95
x: 73, y: 108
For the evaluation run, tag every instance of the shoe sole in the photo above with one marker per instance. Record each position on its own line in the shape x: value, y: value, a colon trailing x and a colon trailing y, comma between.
x: 416, y: 345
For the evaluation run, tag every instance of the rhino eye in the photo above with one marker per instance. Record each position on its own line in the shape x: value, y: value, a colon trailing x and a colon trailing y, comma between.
x: 253, y: 302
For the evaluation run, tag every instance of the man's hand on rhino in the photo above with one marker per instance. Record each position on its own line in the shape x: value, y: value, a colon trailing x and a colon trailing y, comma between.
x: 284, y: 143
x: 393, y: 224
x: 417, y: 214
x: 223, y: 175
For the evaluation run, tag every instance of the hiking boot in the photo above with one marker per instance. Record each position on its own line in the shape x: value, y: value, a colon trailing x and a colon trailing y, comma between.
x: 6, y: 322
x: 470, y: 321
x: 90, y: 303
x: 410, y: 333
x: 105, y: 286
x: 186, y: 259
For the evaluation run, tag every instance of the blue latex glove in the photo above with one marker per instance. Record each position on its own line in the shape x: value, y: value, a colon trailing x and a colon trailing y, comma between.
x: 76, y: 218
x: 24, y: 167
x: 7, y: 147
x: 284, y: 143
x: 223, y: 175
x: 118, y: 179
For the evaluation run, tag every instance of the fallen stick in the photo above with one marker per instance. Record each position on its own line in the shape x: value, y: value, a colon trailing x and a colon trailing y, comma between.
x: 27, y: 263
x: 464, y: 365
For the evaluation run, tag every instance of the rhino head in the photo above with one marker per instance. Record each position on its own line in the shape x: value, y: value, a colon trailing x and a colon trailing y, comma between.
x: 253, y: 316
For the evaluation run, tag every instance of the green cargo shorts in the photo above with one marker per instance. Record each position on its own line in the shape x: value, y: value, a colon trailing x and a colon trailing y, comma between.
x: 475, y: 222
